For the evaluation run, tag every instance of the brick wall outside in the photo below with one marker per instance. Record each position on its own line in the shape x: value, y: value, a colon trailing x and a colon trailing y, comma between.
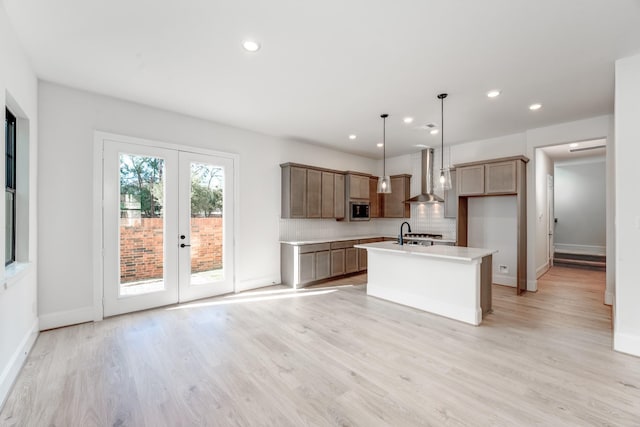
x: 141, y: 242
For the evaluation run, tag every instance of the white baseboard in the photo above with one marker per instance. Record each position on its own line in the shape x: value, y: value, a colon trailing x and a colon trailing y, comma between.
x: 501, y: 279
x: 247, y: 285
x: 608, y: 297
x: 532, y: 285
x: 581, y: 249
x: 542, y: 269
x: 66, y: 318
x: 11, y: 371
x: 627, y: 343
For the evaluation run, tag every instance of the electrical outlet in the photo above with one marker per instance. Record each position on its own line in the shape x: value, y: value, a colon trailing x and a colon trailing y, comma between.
x: 504, y: 269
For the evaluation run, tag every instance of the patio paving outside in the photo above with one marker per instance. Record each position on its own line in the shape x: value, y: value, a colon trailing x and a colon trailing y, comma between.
x: 154, y: 285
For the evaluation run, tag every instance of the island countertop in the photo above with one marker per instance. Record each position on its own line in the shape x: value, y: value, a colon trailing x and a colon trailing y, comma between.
x: 364, y: 237
x: 458, y: 253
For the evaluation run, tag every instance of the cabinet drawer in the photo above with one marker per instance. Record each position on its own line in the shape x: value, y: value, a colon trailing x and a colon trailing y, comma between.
x: 343, y: 244
x: 371, y: 240
x: 316, y: 247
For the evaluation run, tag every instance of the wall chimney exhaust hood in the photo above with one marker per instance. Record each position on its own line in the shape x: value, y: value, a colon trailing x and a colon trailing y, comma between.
x: 426, y: 180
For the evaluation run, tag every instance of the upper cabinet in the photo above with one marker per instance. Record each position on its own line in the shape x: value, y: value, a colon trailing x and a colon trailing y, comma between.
x: 358, y: 185
x: 309, y: 192
x: 500, y: 178
x: 294, y: 192
x: 488, y: 178
x: 451, y: 197
x: 393, y: 204
x: 374, y: 198
x: 470, y: 180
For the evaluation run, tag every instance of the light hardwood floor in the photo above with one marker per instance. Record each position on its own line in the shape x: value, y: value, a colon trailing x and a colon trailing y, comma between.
x: 333, y: 356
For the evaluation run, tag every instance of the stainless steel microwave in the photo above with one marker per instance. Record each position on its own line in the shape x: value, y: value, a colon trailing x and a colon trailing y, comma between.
x: 359, y: 211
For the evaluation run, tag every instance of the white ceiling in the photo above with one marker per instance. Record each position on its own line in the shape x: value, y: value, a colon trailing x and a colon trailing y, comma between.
x: 329, y: 68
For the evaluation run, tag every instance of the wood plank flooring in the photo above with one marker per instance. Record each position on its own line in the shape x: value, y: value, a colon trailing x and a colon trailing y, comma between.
x: 333, y: 356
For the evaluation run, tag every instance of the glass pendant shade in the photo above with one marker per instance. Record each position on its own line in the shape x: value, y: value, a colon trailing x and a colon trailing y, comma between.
x: 384, y: 181
x: 384, y: 184
x: 444, y: 180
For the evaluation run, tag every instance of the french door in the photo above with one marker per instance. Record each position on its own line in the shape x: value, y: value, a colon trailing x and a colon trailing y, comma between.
x: 167, y: 226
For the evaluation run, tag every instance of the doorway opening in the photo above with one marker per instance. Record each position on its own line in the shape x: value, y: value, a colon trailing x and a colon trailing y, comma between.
x: 571, y: 206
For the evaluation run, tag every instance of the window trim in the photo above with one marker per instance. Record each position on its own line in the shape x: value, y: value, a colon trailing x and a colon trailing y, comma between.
x: 11, y: 124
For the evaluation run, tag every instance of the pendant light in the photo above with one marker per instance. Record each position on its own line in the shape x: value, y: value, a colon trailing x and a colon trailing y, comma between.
x: 444, y: 182
x: 384, y: 182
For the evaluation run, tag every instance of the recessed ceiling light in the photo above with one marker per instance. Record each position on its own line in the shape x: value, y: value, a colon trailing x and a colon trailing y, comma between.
x: 251, y: 45
x: 379, y: 144
x: 352, y: 136
x: 434, y: 131
x: 422, y: 146
x: 534, y: 107
x: 408, y: 120
x: 573, y: 145
x: 493, y: 93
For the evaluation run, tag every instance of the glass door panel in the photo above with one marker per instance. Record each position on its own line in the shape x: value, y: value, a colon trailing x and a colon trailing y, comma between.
x: 142, y: 227
x: 207, y: 217
x: 206, y: 228
x: 139, y: 216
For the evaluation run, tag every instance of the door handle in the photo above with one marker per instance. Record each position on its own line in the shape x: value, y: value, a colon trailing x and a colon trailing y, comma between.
x: 182, y: 245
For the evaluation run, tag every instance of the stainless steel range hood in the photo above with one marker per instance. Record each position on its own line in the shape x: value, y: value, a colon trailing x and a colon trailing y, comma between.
x: 426, y: 180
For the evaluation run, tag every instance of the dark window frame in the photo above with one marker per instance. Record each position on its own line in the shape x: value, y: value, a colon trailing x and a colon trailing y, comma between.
x: 10, y: 126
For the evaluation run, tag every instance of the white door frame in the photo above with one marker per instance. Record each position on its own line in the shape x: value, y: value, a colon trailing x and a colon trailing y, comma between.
x: 98, y: 242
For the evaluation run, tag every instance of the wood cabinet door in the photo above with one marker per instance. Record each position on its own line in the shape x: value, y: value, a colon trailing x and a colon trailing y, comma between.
x: 451, y: 198
x: 338, y: 196
x: 306, y: 267
x: 314, y: 193
x: 350, y: 260
x: 362, y: 259
x: 364, y: 187
x: 323, y: 265
x: 374, y: 198
x: 328, y: 195
x: 470, y: 180
x: 500, y: 178
x: 393, y: 205
x: 337, y: 262
x: 298, y: 192
x: 358, y: 187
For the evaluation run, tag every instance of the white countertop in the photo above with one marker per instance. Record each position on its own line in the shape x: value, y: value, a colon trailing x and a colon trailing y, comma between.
x: 458, y: 253
x: 342, y: 239
x: 330, y: 239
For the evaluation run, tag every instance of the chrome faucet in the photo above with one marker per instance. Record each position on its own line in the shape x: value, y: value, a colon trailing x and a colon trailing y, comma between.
x: 400, y: 238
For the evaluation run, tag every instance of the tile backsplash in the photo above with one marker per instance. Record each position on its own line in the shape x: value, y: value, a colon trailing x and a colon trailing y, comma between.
x: 425, y: 218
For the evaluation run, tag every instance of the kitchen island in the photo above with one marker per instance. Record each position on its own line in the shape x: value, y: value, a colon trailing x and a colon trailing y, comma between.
x: 450, y: 281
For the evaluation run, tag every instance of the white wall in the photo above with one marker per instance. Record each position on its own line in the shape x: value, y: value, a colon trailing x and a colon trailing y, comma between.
x: 18, y: 291
x: 580, y: 192
x: 493, y: 224
x: 544, y: 168
x: 68, y: 120
x: 627, y: 177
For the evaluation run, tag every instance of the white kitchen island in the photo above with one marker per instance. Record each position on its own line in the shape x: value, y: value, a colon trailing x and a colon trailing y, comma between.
x: 450, y: 281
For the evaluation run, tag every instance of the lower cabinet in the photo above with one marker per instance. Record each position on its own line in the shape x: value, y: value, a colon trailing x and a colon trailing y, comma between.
x: 337, y: 262
x: 323, y: 265
x: 304, y: 264
x: 306, y: 267
x: 350, y: 260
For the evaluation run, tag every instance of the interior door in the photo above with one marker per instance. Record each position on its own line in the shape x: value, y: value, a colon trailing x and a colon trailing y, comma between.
x: 167, y: 226
x: 206, y: 226
x: 140, y: 227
